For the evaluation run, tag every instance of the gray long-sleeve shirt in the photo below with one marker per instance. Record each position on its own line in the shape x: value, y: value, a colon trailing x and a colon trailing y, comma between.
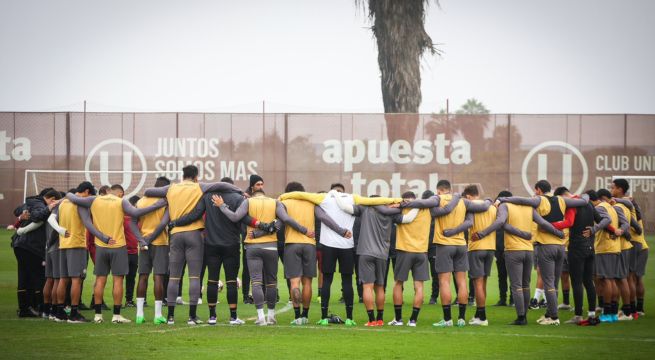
x: 375, y: 230
x: 280, y: 213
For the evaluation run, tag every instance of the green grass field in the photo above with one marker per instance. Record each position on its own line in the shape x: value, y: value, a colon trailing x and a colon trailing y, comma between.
x: 21, y: 338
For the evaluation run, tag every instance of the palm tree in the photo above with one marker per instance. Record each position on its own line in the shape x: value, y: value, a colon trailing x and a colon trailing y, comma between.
x: 398, y: 27
x: 473, y: 107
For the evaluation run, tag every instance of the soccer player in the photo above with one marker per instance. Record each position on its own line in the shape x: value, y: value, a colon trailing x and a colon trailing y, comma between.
x: 108, y: 212
x: 222, y: 248
x: 261, y: 252
x: 619, y: 189
x: 564, y: 225
x: 153, y: 253
x: 481, y: 250
x: 412, y: 241
x: 500, y: 264
x: 608, y: 252
x: 336, y: 247
x: 186, y: 243
x: 52, y: 264
x: 72, y: 251
x: 551, y: 247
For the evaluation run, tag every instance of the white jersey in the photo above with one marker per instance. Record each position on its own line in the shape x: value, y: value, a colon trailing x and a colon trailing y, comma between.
x: 343, y: 219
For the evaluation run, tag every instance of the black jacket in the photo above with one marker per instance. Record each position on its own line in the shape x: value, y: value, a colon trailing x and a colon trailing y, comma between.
x: 33, y: 241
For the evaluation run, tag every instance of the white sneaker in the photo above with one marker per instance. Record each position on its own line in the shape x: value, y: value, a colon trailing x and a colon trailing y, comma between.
x: 304, y: 320
x: 52, y: 317
x: 478, y: 322
x: 641, y: 313
x: 194, y: 321
x: 211, y: 320
x: 411, y: 323
x: 180, y: 301
x: 541, y: 319
x: 443, y: 323
x: 261, y: 322
x: 98, y: 319
x: 461, y: 322
x: 599, y: 310
x: 119, y: 319
x: 237, y: 321
x: 395, y: 322
x: 623, y: 317
x: 564, y: 307
x: 575, y: 320
x: 549, y: 321
x: 271, y: 320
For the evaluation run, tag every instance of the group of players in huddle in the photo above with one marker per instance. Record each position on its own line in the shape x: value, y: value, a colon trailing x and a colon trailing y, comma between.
x: 598, y: 235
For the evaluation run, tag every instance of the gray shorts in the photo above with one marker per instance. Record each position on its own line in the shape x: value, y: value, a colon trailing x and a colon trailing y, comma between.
x: 624, y: 264
x: 480, y: 263
x: 72, y: 262
x: 52, y: 264
x: 416, y: 262
x: 299, y: 261
x: 111, y: 259
x: 607, y: 266
x: 642, y: 259
x: 451, y: 258
x: 372, y: 270
x: 535, y: 255
x: 154, y: 260
x: 634, y: 254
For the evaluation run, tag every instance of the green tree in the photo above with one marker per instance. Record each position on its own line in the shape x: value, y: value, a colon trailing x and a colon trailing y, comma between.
x: 472, y: 107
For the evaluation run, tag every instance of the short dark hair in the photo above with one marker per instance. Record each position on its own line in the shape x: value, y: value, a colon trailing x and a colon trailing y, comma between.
x: 72, y: 191
x: 84, y: 186
x: 134, y: 199
x: 471, y: 190
x: 294, y: 186
x: 443, y: 185
x: 63, y: 194
x: 604, y: 193
x: 593, y: 195
x: 408, y: 195
x: 45, y: 191
x: 335, y: 185
x: 103, y: 190
x: 228, y: 180
x: 622, y: 183
x: 117, y: 187
x: 162, y: 181
x: 427, y: 194
x: 189, y: 172
x: 560, y: 191
x: 543, y: 185
x: 504, y: 193
x: 52, y: 193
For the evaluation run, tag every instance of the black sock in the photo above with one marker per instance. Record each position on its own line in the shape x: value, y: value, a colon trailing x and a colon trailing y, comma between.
x: 627, y: 309
x: 117, y: 309
x: 171, y: 311
x: 462, y: 311
x: 380, y: 315
x: 319, y: 291
x: 296, y: 311
x: 305, y: 312
x: 521, y: 317
x: 607, y: 309
x: 601, y: 302
x: 415, y: 311
x: 446, y: 312
x: 324, y: 312
x: 212, y: 311
x: 477, y: 312
x: 233, y: 314
x: 97, y: 307
x: 192, y: 311
x: 615, y: 307
x: 74, y: 310
x: 371, y: 316
x: 46, y: 308
x: 398, y: 310
x: 633, y: 307
x: 482, y: 313
x: 640, y: 304
x: 566, y: 296
x: 349, y: 312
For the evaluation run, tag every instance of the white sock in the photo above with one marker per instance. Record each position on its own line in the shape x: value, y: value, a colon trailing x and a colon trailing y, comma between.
x: 538, y: 294
x: 139, y: 306
x: 260, y: 314
x: 271, y: 313
x: 591, y: 314
x: 158, y: 305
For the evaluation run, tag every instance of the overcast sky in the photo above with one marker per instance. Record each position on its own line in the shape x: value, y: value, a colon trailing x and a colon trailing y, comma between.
x: 558, y: 56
